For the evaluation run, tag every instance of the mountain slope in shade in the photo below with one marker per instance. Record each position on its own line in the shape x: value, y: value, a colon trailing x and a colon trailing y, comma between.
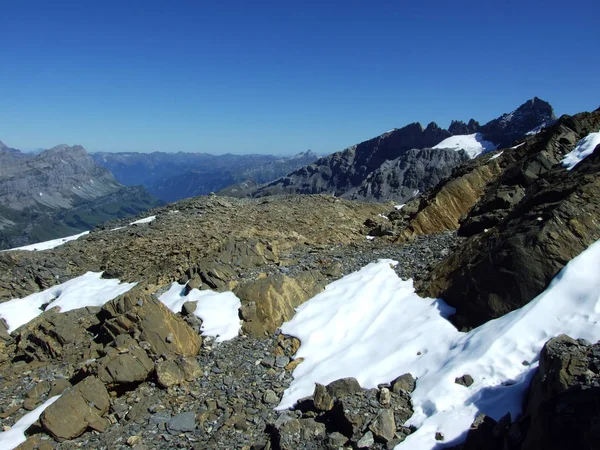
x: 57, y: 193
x: 344, y: 173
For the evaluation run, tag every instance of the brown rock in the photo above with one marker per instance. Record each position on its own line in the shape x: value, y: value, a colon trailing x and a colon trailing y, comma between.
x: 71, y: 414
x: 321, y: 398
x: 152, y: 322
x: 404, y: 382
x: 126, y: 368
x: 169, y: 374
x: 268, y: 302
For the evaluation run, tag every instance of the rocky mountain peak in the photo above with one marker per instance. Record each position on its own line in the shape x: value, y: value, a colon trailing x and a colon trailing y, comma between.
x: 458, y: 127
x: 514, y: 125
x: 3, y: 146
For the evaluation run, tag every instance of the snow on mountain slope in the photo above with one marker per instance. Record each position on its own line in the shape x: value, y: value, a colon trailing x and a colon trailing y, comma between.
x: 89, y: 289
x: 584, y: 148
x: 219, y: 311
x: 373, y: 326
x: 473, y: 144
x: 47, y: 245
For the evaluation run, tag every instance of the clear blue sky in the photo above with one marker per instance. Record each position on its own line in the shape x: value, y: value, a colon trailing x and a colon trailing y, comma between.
x: 281, y: 77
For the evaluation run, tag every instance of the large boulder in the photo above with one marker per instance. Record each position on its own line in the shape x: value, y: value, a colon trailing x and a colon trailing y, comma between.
x: 147, y: 319
x: 268, y: 302
x: 78, y: 409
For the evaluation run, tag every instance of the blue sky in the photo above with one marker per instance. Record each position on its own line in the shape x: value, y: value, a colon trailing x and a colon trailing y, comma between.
x: 281, y: 77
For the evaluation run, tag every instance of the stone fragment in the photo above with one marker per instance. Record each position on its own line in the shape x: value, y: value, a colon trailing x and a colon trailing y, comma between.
x: 182, y: 423
x: 384, y: 426
x: 270, y: 397
x: 366, y: 441
x: 404, y: 382
x: 466, y: 380
x: 343, y: 388
x: 169, y: 374
x: 321, y: 398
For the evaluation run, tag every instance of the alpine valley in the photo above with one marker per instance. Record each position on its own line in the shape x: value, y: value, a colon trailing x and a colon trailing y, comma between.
x: 428, y: 288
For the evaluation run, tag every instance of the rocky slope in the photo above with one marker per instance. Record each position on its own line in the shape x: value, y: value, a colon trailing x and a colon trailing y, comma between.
x: 369, y: 170
x: 152, y: 380
x: 57, y: 193
x: 175, y: 176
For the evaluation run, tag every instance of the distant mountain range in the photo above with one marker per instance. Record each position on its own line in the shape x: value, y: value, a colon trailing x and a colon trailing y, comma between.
x: 403, y: 162
x: 59, y: 192
x: 175, y: 176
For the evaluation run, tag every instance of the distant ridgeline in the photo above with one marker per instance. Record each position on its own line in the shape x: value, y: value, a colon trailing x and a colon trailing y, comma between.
x: 175, y: 176
x: 59, y: 192
x: 401, y: 163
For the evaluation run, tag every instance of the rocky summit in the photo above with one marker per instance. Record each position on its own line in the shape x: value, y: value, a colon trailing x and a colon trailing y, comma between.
x: 485, y: 246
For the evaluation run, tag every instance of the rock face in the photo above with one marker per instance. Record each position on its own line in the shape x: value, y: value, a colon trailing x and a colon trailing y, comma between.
x: 405, y: 177
x: 391, y: 167
x: 562, y: 409
x: 57, y: 193
x: 533, y: 219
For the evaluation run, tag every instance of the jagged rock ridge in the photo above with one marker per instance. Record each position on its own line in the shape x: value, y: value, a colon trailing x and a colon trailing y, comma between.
x: 358, y: 172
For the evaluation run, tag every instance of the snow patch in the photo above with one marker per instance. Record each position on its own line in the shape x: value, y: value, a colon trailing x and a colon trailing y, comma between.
x: 540, y: 127
x: 47, y: 245
x: 87, y: 290
x: 518, y: 145
x: 144, y: 220
x: 16, y: 435
x: 371, y: 325
x: 218, y: 310
x: 584, y: 148
x: 473, y: 144
x: 383, y: 217
x: 497, y: 155
x: 399, y: 207
x: 370, y: 238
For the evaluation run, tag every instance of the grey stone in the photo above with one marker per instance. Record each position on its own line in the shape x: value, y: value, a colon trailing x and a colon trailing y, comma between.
x: 366, y: 441
x: 182, y: 423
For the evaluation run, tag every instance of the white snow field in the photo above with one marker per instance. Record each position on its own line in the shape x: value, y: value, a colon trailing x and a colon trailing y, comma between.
x: 218, y: 310
x: 87, y: 290
x: 584, y: 148
x: 144, y: 220
x: 473, y: 144
x: 47, y: 245
x: 372, y: 326
x: 16, y: 435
